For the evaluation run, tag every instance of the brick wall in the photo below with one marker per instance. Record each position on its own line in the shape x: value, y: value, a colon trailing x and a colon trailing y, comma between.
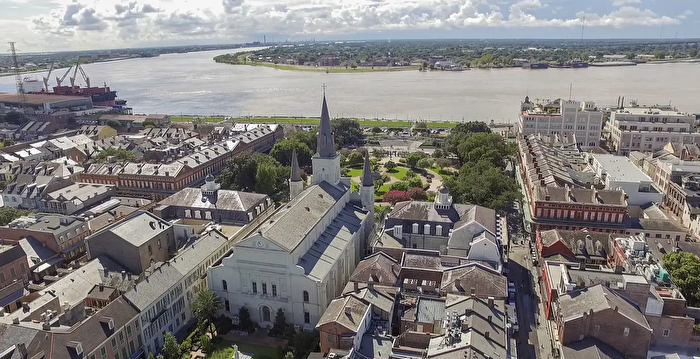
x: 671, y: 330
x: 330, y: 336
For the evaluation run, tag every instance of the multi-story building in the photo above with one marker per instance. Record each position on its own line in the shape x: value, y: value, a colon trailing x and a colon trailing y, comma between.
x: 561, y: 117
x: 650, y: 129
x: 160, y: 180
x: 75, y: 197
x: 13, y: 265
x: 62, y: 234
x: 561, y: 188
x: 136, y: 242
x: 619, y: 173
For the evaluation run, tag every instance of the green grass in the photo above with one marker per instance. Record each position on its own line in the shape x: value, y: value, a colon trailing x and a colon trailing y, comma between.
x: 225, y: 350
x: 399, y: 172
x: 309, y: 121
x: 354, y: 172
x: 441, y: 171
x: 441, y: 124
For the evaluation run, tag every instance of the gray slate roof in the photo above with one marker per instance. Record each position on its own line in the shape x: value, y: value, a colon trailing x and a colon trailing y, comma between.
x: 11, y: 254
x: 378, y: 267
x: 139, y: 228
x: 599, y: 298
x: 197, y: 252
x: 224, y: 200
x: 11, y: 335
x: 291, y: 223
x: 590, y: 348
x: 485, y: 281
x: 163, y: 276
x: 426, y: 212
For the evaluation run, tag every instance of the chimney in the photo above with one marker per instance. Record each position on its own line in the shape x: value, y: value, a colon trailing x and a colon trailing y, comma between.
x: 102, y: 287
x: 458, y: 283
x: 348, y: 311
x: 473, y: 291
x: 486, y: 334
x: 356, y: 287
x: 490, y: 318
x: 22, y: 349
x: 370, y: 284
x: 490, y: 302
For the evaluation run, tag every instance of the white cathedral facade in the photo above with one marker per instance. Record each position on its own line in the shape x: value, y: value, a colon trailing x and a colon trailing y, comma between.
x: 301, y: 257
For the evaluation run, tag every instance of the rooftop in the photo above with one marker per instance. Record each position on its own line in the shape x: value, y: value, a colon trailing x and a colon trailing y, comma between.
x: 620, y: 168
x: 379, y: 268
x: 347, y: 311
x: 590, y: 348
x: 598, y: 298
x: 162, y: 277
x: 483, y: 280
x: 222, y: 200
x: 197, y: 252
x: 139, y: 228
x: 38, y: 99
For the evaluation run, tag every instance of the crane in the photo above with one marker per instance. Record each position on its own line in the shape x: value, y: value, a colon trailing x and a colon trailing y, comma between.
x: 60, y: 79
x: 48, y: 76
x: 85, y: 77
x: 75, y: 72
x: 21, y: 96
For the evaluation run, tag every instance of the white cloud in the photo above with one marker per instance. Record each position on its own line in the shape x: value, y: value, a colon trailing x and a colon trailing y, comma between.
x: 87, y: 23
x: 686, y: 14
x: 625, y: 2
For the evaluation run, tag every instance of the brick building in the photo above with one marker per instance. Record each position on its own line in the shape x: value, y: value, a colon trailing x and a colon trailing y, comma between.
x: 13, y: 265
x: 575, y: 246
x: 62, y: 234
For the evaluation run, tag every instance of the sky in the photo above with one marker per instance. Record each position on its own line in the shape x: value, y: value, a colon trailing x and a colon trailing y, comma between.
x: 60, y: 25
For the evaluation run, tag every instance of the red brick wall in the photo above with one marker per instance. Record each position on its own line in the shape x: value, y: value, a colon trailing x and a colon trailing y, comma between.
x: 680, y: 330
x: 330, y: 335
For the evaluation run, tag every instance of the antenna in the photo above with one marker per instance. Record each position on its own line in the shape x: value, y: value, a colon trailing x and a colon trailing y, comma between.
x: 583, y: 24
x: 571, y: 87
x: 21, y: 96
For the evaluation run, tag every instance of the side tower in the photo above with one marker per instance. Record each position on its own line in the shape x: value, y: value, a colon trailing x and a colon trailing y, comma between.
x: 367, y: 189
x: 296, y: 184
x: 326, y: 161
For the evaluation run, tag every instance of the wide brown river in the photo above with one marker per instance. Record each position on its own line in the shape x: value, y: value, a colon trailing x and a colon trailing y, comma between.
x: 193, y: 83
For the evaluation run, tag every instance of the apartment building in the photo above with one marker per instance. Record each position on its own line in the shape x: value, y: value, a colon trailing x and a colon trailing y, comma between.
x: 62, y: 234
x: 618, y: 172
x: 561, y: 117
x: 648, y: 129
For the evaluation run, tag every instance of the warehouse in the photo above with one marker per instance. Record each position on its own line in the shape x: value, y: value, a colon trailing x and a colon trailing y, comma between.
x: 45, y: 101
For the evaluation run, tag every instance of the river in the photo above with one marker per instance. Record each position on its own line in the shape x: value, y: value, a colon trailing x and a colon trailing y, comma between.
x: 193, y: 83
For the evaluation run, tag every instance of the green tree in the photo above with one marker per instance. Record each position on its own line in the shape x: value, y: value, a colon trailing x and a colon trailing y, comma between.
x: 116, y: 154
x: 438, y: 153
x: 684, y: 268
x: 114, y: 124
x: 390, y: 166
x: 282, y: 152
x: 244, y: 320
x: 160, y: 356
x: 346, y: 131
x: 462, y: 131
x: 484, y: 146
x: 355, y: 158
x: 206, y: 344
x: 413, y: 158
x: 171, y: 349
x: 279, y: 324
x: 305, y: 137
x: 484, y: 185
x: 415, y: 181
x: 265, y: 179
x: 425, y: 163
x: 9, y: 214
x: 242, y: 174
x: 399, y: 186
x: 206, y: 306
x: 660, y: 54
x: 376, y: 129
x: 443, y: 162
x: 151, y: 356
x: 693, y: 52
x: 304, y: 343
x: 8, y: 142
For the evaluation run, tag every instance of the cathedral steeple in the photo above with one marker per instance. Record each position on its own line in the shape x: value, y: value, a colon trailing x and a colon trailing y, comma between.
x: 367, y: 172
x: 296, y: 184
x: 367, y: 189
x: 324, y: 138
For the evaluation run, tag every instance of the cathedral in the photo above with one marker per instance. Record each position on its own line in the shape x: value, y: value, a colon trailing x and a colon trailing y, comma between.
x: 300, y: 258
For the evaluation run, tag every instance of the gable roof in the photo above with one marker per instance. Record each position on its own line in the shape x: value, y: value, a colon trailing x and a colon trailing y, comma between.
x: 290, y: 224
x: 223, y: 199
x: 581, y: 244
x: 379, y: 267
x: 347, y: 311
x: 161, y: 279
x: 590, y: 348
x: 599, y: 298
x: 426, y: 212
x: 484, y: 280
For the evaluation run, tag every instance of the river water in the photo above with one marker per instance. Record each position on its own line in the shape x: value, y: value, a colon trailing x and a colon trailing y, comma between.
x: 193, y: 83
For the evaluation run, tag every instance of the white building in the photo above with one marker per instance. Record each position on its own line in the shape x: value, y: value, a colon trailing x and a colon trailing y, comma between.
x: 301, y: 257
x: 619, y: 173
x: 648, y: 129
x: 564, y: 117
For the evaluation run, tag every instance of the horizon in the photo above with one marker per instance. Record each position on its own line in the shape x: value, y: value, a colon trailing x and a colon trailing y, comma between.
x: 83, y: 25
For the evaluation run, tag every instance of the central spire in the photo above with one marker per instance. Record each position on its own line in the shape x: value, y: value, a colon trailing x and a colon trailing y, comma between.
x: 324, y: 138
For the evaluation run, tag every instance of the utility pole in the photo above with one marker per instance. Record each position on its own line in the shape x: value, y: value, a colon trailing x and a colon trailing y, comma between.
x: 21, y: 96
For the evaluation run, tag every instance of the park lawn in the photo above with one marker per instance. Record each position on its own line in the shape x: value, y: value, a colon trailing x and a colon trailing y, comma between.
x: 225, y: 350
x: 384, y: 123
x: 378, y: 194
x: 399, y: 172
x: 441, y: 171
x: 354, y: 172
x: 441, y: 124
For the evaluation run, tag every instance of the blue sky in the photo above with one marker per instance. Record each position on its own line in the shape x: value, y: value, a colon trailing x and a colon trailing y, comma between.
x: 42, y: 25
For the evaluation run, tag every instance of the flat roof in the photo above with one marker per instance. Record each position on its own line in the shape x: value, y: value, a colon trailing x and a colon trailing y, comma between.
x: 650, y: 111
x: 38, y: 99
x: 620, y: 168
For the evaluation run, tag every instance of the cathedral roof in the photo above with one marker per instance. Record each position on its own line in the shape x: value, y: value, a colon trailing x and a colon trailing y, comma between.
x: 325, y: 141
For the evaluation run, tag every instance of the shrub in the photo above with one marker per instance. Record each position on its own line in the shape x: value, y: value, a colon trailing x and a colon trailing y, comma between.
x: 399, y: 186
x: 396, y: 196
x: 417, y: 193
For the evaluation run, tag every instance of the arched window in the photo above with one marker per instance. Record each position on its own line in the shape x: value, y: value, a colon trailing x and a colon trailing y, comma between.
x: 306, y: 297
x: 224, y: 285
x: 266, y: 317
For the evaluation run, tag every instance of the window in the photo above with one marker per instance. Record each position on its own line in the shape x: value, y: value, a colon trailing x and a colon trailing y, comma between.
x: 121, y: 337
x: 666, y: 333
x: 2, y: 277
x: 12, y: 272
x: 255, y: 287
x: 22, y: 267
x: 92, y: 356
x: 626, y: 332
x: 188, y: 213
x: 264, y: 288
x: 140, y: 340
x: 224, y: 285
x: 597, y: 327
x: 131, y: 346
x: 307, y: 317
x: 274, y: 290
x: 128, y: 330
x: 103, y: 351
x: 114, y: 342
x: 306, y: 297
x: 266, y: 317
x: 116, y: 355
x: 227, y: 305
x: 159, y: 245
x: 330, y: 338
x: 150, y: 250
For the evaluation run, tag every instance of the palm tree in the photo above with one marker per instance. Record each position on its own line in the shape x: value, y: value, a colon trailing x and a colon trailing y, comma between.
x: 206, y: 306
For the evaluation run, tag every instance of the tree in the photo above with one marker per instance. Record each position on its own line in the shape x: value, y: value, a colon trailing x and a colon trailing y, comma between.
x: 282, y: 152
x: 151, y: 356
x: 160, y: 356
x: 265, y: 179
x: 244, y: 321
x: 684, y: 268
x: 413, y: 158
x: 117, y: 154
x: 114, y: 124
x: 376, y: 130
x: 415, y: 181
x: 206, y: 306
x: 206, y: 344
x: 306, y: 137
x: 243, y: 175
x: 443, y: 162
x: 484, y: 185
x: 280, y: 323
x: 13, y: 117
x: 390, y: 166
x: 399, y: 186
x: 304, y: 343
x: 425, y: 163
x: 417, y: 193
x: 355, y: 158
x: 346, y: 131
x: 438, y: 153
x: 8, y: 142
x: 9, y: 214
x: 484, y: 146
x: 396, y: 196
x: 186, y: 345
x: 693, y: 52
x: 171, y: 349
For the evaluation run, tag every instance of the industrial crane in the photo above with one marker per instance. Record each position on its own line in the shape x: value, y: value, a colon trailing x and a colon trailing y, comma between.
x: 82, y: 72
x: 60, y: 79
x: 46, y: 79
x: 75, y: 73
